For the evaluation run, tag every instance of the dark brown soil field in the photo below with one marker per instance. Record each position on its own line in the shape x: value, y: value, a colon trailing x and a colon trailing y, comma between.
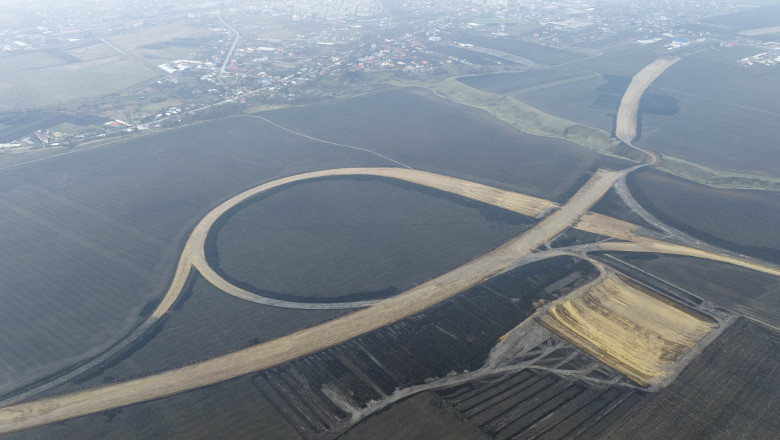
x: 575, y: 101
x: 730, y: 391
x: 732, y: 128
x: 627, y: 61
x: 205, y: 323
x: 354, y: 238
x: 723, y: 135
x: 745, y: 291
x: 529, y: 404
x: 416, y: 128
x: 232, y: 409
x: 738, y: 220
x: 751, y: 18
x: 89, y: 238
x: 612, y: 205
x: 287, y: 402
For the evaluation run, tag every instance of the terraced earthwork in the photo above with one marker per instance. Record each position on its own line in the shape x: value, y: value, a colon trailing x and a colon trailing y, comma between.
x: 629, y: 328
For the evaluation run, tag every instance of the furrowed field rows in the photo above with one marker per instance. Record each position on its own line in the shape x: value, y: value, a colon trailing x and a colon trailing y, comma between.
x: 205, y: 323
x: 742, y: 221
x: 730, y: 390
x: 454, y: 335
x: 400, y: 235
x: 414, y: 128
x: 95, y: 235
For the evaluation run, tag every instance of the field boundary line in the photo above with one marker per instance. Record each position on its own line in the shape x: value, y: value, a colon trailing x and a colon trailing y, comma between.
x: 354, y: 147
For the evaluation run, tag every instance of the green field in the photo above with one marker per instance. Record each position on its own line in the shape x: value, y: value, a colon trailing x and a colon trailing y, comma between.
x: 422, y: 417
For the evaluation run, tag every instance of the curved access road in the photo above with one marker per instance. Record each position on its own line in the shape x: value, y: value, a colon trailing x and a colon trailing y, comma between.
x: 193, y: 254
x: 313, y: 339
x: 512, y: 254
x: 627, y: 114
x: 661, y: 247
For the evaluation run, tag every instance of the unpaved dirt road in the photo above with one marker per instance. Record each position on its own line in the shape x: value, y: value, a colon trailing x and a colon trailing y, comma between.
x: 385, y: 312
x: 310, y: 340
x: 194, y: 256
x: 625, y: 129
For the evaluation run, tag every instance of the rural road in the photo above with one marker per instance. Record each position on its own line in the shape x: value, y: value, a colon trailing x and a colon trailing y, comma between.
x: 626, y: 126
x: 232, y: 47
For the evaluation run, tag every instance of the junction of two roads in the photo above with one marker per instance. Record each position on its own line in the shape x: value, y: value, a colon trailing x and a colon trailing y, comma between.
x: 526, y: 248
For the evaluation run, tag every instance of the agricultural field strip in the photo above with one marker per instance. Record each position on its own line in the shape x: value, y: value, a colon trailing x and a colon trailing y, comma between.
x: 625, y: 128
x: 309, y: 340
x: 503, y: 55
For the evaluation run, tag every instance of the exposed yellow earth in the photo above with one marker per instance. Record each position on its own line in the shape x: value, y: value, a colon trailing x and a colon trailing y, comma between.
x: 633, y: 330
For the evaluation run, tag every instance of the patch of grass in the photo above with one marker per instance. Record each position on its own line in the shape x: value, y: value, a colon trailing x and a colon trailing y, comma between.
x: 72, y: 82
x: 715, y: 177
x: 525, y: 117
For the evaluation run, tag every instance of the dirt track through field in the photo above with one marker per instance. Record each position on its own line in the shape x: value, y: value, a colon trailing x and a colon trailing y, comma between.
x: 626, y: 127
x: 310, y: 340
x: 194, y: 254
x: 385, y: 312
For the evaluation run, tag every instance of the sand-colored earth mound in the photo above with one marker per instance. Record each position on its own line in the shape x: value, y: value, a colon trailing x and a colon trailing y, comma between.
x: 629, y: 328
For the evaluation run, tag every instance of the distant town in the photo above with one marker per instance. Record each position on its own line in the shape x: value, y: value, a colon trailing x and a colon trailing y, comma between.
x: 258, y: 54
